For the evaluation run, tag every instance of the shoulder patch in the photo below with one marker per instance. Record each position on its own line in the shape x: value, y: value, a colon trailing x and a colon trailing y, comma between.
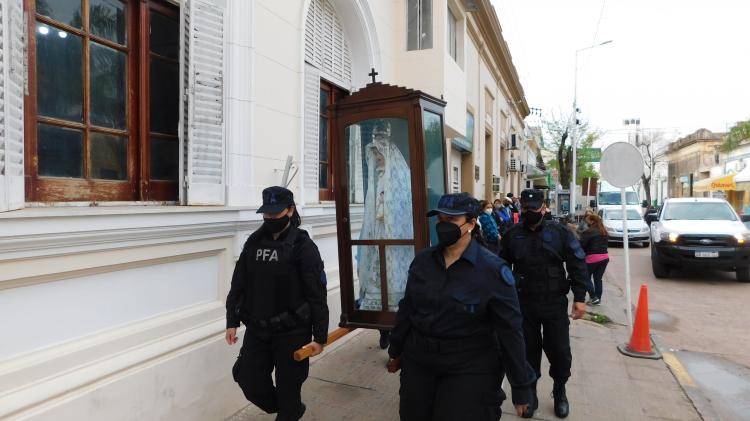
x: 323, y: 277
x: 507, y: 275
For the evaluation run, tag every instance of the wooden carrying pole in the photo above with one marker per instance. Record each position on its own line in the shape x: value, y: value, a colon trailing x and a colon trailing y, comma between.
x: 334, y: 336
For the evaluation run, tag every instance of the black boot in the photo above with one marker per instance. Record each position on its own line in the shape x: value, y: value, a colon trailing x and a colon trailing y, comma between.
x: 385, y: 339
x: 300, y: 414
x: 562, y: 407
x: 533, y: 405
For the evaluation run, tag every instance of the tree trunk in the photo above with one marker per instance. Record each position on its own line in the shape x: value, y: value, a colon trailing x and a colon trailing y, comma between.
x: 563, y: 160
x: 647, y: 187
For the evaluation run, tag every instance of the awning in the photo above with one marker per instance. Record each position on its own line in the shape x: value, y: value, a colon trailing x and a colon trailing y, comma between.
x: 720, y: 183
x: 743, y: 176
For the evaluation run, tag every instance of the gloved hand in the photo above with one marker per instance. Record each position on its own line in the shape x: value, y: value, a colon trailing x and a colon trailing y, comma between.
x: 394, y: 365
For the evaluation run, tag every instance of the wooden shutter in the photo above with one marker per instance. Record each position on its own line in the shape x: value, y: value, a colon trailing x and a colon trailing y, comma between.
x: 312, y: 122
x: 12, y: 87
x: 203, y: 140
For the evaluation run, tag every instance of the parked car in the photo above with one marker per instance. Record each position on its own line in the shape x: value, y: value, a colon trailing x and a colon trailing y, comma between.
x: 638, y: 231
x: 699, y: 232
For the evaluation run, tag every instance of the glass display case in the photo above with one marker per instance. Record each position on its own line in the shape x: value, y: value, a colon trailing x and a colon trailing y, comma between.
x: 390, y: 163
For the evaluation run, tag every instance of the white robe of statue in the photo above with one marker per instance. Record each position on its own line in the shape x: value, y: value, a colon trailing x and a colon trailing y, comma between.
x: 387, y: 216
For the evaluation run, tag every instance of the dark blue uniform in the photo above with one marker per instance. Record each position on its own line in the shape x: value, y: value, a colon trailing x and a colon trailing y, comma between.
x: 542, y: 284
x: 449, y: 328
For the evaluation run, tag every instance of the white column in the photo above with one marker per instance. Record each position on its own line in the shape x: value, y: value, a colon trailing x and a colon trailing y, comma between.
x: 239, y: 103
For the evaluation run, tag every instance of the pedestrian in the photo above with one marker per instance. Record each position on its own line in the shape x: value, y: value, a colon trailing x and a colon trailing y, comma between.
x: 497, y: 206
x: 460, y: 306
x: 279, y: 293
x: 540, y: 252
x: 515, y: 208
x: 594, y: 243
x: 489, y: 227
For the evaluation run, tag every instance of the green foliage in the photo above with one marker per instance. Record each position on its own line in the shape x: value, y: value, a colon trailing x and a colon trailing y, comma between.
x: 736, y: 135
x: 559, y: 144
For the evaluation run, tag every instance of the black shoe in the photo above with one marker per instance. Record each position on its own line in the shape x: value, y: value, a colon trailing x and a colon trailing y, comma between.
x: 385, y: 339
x: 596, y: 301
x: 562, y: 407
x: 529, y: 412
x: 300, y: 413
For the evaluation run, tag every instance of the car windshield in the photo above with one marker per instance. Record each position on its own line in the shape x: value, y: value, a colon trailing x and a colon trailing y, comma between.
x: 699, y: 212
x: 617, y: 215
x: 613, y: 198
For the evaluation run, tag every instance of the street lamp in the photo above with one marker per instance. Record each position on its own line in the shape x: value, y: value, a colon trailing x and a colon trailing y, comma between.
x: 573, y: 134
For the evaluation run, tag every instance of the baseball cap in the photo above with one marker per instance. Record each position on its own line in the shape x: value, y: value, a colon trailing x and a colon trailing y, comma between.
x: 276, y: 199
x: 456, y: 204
x: 532, y: 198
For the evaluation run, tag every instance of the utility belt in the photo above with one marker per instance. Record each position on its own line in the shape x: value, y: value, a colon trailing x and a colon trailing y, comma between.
x: 548, y: 297
x: 434, y: 345
x: 281, y: 322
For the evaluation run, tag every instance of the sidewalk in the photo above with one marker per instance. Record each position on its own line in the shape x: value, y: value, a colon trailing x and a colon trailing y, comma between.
x: 349, y: 382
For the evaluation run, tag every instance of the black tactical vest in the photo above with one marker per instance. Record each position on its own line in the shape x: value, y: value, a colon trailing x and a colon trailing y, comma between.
x: 537, y: 260
x: 273, y: 281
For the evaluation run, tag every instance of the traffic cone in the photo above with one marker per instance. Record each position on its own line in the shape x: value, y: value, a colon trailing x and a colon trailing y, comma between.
x: 640, y: 340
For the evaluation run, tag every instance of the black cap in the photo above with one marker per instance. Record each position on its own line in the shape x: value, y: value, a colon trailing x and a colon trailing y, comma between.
x: 532, y: 198
x: 456, y: 204
x: 276, y: 199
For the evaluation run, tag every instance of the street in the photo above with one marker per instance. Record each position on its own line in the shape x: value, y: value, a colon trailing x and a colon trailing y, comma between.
x: 701, y: 315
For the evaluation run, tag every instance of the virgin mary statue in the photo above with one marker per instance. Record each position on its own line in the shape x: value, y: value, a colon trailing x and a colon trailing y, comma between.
x: 387, y: 216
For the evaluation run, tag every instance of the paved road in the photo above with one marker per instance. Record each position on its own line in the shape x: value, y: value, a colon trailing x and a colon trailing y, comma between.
x: 703, y: 316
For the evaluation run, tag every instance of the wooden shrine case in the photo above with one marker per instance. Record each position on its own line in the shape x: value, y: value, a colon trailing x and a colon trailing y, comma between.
x: 390, y: 154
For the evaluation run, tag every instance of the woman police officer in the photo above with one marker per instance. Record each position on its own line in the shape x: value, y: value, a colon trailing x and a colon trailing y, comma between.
x: 460, y: 304
x: 279, y: 292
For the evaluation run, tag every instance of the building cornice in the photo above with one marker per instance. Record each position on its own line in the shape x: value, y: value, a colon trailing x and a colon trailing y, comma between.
x: 489, y: 26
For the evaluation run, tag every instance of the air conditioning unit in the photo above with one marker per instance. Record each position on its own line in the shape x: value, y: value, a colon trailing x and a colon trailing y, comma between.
x: 496, y: 181
x: 514, y: 165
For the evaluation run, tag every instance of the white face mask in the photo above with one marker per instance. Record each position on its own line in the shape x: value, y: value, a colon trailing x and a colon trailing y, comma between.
x: 488, y: 211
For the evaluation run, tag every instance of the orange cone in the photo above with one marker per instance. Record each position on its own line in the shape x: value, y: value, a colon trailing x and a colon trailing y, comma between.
x: 640, y: 340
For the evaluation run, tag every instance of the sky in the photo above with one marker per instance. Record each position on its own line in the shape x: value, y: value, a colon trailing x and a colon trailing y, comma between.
x: 678, y: 65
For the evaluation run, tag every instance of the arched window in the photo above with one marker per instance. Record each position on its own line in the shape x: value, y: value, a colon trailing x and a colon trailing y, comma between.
x: 328, y: 77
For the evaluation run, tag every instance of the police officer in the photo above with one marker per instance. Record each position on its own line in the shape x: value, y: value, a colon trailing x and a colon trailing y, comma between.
x: 279, y: 293
x: 460, y: 304
x: 538, y: 248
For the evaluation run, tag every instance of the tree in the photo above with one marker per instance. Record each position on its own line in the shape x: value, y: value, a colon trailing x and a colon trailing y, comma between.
x: 648, y: 145
x: 558, y: 132
x: 736, y: 135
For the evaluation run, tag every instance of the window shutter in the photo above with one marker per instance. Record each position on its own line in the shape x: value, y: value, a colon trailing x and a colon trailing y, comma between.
x: 12, y: 82
x: 325, y: 44
x: 312, y: 121
x: 203, y: 39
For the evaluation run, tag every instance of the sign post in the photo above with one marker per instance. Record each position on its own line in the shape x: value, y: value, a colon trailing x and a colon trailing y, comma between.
x: 622, y: 166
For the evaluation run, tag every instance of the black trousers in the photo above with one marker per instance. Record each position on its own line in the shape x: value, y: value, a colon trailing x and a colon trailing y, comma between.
x: 546, y: 327
x: 596, y: 273
x: 259, y: 356
x: 450, y: 387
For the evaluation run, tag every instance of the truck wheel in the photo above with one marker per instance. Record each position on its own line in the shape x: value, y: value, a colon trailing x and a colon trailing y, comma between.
x: 661, y: 270
x: 743, y: 274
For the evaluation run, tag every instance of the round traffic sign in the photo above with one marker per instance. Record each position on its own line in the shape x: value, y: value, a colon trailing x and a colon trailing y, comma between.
x: 621, y: 164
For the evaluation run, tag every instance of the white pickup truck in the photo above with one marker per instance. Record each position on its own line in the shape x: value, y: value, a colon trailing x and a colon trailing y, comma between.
x: 699, y: 232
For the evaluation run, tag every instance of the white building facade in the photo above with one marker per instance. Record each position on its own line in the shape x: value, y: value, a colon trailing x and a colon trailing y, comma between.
x: 135, y: 140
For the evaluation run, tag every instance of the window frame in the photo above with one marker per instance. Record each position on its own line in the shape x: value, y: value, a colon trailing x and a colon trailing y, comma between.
x: 335, y: 93
x: 421, y: 44
x: 137, y: 186
x: 452, y: 35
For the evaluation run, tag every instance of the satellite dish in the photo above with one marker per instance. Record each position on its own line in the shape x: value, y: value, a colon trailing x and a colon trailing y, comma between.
x: 621, y: 164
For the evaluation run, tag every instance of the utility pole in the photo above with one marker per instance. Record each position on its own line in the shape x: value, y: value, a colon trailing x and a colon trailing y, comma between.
x: 574, y: 130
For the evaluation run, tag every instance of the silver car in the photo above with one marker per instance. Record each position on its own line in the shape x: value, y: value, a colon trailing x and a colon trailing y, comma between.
x: 638, y: 231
